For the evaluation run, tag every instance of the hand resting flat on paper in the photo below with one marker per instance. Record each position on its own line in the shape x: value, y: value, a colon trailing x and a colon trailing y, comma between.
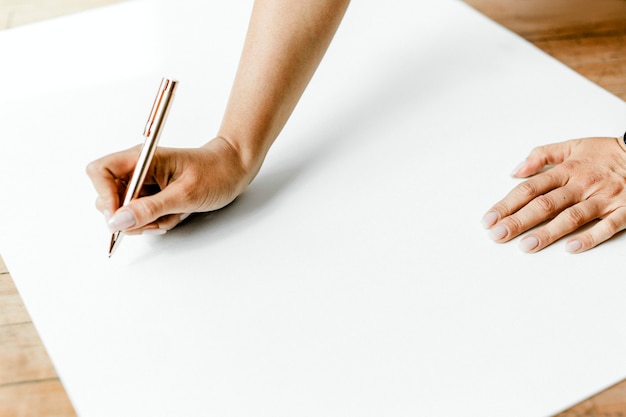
x: 180, y: 181
x: 585, y: 181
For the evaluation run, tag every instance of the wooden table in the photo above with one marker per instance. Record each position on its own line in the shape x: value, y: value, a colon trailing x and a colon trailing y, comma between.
x: 590, y: 37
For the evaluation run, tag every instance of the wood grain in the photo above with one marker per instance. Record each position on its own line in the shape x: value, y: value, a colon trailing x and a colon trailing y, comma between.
x: 12, y: 310
x: 22, y: 356
x: 41, y: 398
x: 610, y: 402
x: 588, y: 36
x: 29, y: 385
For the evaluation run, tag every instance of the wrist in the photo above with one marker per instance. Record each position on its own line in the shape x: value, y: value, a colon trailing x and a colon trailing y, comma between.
x: 248, y: 158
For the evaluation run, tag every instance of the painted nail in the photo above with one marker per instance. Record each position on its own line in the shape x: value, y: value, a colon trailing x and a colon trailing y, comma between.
x: 574, y: 246
x: 518, y: 167
x: 154, y: 232
x: 498, y: 232
x: 122, y: 220
x: 489, y: 219
x: 528, y: 243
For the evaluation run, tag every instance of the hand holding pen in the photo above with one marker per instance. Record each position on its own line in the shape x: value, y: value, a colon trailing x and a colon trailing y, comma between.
x: 186, y: 180
x: 268, y: 85
x: 265, y: 91
x: 152, y: 132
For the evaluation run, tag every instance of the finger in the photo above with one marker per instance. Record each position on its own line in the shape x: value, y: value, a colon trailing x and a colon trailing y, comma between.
x: 568, y: 221
x: 171, y: 221
x: 602, y: 231
x: 145, y: 211
x: 151, y: 229
x: 168, y: 222
x: 542, y: 156
x: 160, y: 226
x: 523, y: 194
x: 107, y: 187
x: 108, y: 175
x: 541, y: 208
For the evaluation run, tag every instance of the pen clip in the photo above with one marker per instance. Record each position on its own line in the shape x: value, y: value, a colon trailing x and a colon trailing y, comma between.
x: 165, y: 89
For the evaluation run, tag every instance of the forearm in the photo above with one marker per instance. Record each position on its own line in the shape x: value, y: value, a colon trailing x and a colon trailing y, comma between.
x: 286, y: 41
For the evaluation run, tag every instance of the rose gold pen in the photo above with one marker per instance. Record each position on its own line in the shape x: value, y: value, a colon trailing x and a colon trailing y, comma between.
x: 153, y: 129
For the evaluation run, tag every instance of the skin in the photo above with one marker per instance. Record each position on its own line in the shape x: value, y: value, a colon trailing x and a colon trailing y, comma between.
x: 586, y: 182
x: 285, y: 43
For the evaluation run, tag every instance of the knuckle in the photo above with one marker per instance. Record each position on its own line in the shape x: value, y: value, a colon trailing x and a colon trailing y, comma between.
x: 591, y: 179
x: 527, y: 189
x: 612, y: 225
x: 514, y: 224
x: 545, y: 203
x: 611, y: 191
x: 93, y: 168
x: 502, y: 208
x: 571, y: 165
x: 614, y: 191
x: 575, y: 216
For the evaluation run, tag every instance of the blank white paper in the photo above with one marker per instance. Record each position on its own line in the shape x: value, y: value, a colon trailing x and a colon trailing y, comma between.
x: 353, y: 277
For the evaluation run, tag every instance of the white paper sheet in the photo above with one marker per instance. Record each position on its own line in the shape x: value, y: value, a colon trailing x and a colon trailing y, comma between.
x: 353, y: 278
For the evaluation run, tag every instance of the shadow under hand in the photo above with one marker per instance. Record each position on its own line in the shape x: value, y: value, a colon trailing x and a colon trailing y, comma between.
x: 407, y: 81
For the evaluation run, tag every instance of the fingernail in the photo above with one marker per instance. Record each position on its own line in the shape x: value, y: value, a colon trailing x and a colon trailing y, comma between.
x: 107, y: 215
x: 574, y: 246
x: 518, y: 167
x: 122, y: 220
x: 490, y: 219
x: 528, y: 243
x: 154, y: 232
x: 184, y: 216
x: 498, y: 232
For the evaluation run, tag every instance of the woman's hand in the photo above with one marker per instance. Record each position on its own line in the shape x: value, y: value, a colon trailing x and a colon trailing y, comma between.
x: 586, y: 182
x: 180, y: 182
x: 285, y: 43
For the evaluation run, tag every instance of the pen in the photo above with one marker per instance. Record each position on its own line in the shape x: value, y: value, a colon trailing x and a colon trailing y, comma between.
x: 154, y: 126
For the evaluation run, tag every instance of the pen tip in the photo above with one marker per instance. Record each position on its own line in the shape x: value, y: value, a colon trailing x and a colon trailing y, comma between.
x: 115, y: 238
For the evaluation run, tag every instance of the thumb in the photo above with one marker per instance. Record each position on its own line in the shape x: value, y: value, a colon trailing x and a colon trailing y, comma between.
x: 542, y: 156
x: 145, y: 210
